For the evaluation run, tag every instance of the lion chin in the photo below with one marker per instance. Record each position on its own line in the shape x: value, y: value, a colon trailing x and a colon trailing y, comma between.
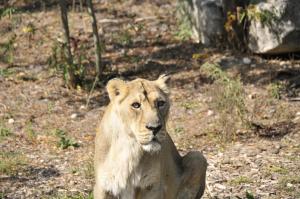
x: 152, y: 147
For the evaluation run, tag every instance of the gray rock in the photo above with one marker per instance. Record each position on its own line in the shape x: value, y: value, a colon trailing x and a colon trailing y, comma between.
x: 226, y: 160
x: 246, y: 60
x: 279, y: 31
x: 206, y: 18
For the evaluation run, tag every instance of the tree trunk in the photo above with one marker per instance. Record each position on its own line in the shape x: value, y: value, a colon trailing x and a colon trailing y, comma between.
x: 99, y: 65
x: 70, y: 78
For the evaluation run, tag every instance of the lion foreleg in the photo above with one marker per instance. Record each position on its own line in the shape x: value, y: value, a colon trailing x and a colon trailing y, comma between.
x: 192, y: 183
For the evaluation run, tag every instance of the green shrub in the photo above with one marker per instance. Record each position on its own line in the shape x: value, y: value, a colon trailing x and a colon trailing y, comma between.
x: 228, y: 99
x: 4, y: 132
x: 64, y: 141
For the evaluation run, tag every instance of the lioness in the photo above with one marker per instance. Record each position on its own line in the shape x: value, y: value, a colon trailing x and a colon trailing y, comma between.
x: 135, y: 158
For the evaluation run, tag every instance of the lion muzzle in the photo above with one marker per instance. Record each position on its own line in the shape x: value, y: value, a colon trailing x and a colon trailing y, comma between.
x: 154, y: 127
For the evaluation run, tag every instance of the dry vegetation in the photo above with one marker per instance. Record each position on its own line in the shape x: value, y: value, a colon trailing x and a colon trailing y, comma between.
x: 244, y: 115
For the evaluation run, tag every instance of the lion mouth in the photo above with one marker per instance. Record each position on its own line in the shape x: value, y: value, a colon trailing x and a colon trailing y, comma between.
x: 149, y: 140
x: 154, y: 140
x: 153, y: 146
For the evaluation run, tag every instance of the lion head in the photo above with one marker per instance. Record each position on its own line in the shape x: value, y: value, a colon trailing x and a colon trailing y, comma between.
x: 142, y: 106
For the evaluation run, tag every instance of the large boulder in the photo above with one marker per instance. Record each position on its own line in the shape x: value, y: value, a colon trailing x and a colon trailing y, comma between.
x: 274, y: 26
x: 206, y: 18
x: 277, y: 27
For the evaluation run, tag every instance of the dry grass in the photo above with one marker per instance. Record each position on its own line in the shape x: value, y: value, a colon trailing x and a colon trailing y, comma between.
x: 240, y: 180
x: 11, y: 162
x: 74, y: 196
x: 289, y: 183
x: 89, y: 168
x: 228, y: 100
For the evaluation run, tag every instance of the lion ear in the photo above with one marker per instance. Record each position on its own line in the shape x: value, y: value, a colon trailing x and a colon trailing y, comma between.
x: 116, y: 88
x: 163, y: 83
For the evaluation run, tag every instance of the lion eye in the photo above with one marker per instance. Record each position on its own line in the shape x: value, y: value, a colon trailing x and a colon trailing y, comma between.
x: 161, y: 103
x: 136, y: 105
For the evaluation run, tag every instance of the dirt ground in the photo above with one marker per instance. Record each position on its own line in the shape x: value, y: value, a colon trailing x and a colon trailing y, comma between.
x: 47, y: 130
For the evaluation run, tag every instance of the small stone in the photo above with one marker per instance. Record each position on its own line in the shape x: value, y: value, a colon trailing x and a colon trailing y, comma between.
x: 220, y: 186
x: 122, y: 51
x: 164, y: 27
x: 31, y: 156
x: 153, y: 29
x: 241, y: 132
x: 74, y: 115
x: 275, y: 150
x: 289, y: 185
x: 296, y: 119
x: 226, y: 160
x: 190, y: 112
x: 209, y: 113
x: 278, y: 146
x: 272, y: 111
x: 282, y: 63
x: 251, y: 96
x: 246, y: 60
x: 11, y: 121
x: 82, y: 107
x: 298, y: 113
x: 252, y: 153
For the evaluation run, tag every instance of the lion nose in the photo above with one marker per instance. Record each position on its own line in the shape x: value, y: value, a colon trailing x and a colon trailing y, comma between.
x: 154, y: 128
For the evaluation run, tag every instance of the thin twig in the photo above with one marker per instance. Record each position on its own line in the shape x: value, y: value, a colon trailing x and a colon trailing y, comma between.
x: 91, y: 91
x: 294, y: 99
x: 5, y: 108
x: 117, y: 21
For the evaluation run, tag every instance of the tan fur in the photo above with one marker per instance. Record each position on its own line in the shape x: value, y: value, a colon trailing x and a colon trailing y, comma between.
x: 133, y: 162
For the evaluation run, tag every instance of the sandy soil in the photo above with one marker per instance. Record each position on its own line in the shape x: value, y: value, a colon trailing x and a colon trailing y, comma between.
x: 37, y: 111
